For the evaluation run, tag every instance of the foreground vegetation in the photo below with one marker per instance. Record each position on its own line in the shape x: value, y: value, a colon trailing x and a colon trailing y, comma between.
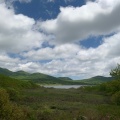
x: 24, y: 100
x: 27, y: 101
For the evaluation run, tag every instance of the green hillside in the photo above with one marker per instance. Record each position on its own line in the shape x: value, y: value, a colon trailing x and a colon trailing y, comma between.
x: 7, y: 72
x: 39, y: 77
x: 22, y: 73
x: 97, y: 80
x: 65, y: 78
x: 35, y: 77
x: 7, y: 82
x: 47, y: 79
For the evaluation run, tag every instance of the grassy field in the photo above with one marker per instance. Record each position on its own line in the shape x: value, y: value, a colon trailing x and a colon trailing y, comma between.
x: 23, y: 100
x: 71, y: 104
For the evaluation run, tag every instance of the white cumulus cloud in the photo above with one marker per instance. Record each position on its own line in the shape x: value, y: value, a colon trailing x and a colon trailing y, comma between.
x: 19, y: 37
x: 75, y: 60
x: 16, y: 31
x: 94, y: 18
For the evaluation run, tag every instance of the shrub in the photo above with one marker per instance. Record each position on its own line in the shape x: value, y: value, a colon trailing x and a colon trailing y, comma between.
x: 5, y: 107
x: 110, y: 87
x: 116, y: 72
x: 116, y: 98
x: 13, y: 94
x: 8, y: 110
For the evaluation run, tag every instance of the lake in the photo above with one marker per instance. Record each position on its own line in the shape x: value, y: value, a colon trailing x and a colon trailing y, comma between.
x: 63, y: 86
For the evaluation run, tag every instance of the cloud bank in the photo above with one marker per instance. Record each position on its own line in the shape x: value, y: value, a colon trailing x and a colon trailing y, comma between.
x: 94, y: 18
x: 16, y: 31
x: 22, y: 40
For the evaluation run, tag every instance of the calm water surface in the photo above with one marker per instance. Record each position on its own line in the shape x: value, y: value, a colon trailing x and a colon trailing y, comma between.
x: 63, y: 86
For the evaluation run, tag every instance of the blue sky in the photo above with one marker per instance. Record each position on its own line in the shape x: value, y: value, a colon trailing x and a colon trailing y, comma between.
x: 39, y: 9
x: 44, y: 9
x: 74, y: 38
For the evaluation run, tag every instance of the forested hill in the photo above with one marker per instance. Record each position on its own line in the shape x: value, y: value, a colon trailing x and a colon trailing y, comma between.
x: 97, y: 80
x: 47, y: 79
x: 38, y: 77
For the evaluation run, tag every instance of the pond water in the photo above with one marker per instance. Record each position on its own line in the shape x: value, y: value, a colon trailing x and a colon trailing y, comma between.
x: 63, y: 86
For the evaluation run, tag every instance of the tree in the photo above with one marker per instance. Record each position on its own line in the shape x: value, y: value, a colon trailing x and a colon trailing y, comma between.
x: 116, y: 72
x: 8, y: 110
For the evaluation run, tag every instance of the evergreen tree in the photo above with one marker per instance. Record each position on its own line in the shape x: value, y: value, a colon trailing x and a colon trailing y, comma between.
x: 116, y: 72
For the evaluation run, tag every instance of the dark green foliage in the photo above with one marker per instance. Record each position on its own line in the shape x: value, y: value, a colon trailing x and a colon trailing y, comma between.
x: 80, y: 117
x: 116, y: 72
x: 60, y: 104
x: 97, y: 80
x: 5, y: 72
x: 110, y: 87
x: 13, y: 93
x: 5, y: 107
x: 7, y: 82
x: 116, y: 98
x: 8, y: 110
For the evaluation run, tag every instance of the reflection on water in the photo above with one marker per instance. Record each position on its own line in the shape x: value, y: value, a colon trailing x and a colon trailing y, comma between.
x: 63, y: 86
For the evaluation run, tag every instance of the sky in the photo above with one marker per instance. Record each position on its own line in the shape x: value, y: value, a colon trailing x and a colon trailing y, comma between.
x: 63, y: 38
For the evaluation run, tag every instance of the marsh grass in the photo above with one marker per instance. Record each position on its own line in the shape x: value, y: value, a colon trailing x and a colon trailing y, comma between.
x: 30, y: 102
x: 70, y: 104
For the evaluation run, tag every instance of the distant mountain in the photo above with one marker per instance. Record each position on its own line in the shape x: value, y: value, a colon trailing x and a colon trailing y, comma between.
x: 47, y: 79
x: 38, y: 77
x: 20, y: 73
x: 65, y: 78
x: 97, y: 80
x: 4, y: 71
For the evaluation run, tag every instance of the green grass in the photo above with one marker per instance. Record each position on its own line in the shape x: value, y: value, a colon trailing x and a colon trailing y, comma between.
x: 30, y: 102
x: 72, y: 103
x: 7, y: 82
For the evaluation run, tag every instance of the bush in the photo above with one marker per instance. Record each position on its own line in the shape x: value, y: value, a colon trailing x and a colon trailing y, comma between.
x: 116, y: 98
x: 13, y: 94
x: 110, y: 87
x: 8, y: 110
x: 5, y: 107
x: 45, y: 114
x: 116, y: 72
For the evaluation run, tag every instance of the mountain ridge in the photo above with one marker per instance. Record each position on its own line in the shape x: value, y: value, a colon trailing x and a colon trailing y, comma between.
x: 97, y: 79
x: 36, y: 77
x: 47, y: 79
